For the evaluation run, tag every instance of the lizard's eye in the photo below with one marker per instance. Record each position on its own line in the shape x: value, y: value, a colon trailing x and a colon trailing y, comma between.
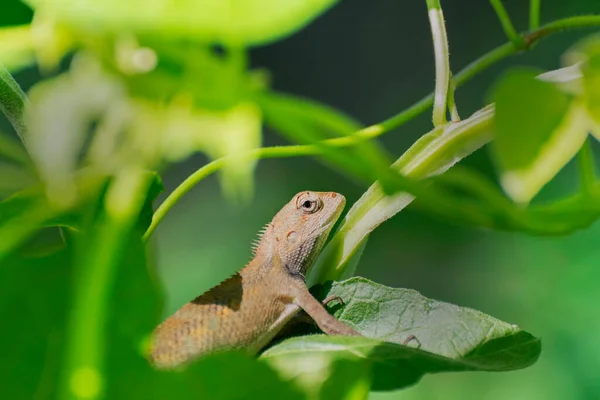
x: 309, y: 206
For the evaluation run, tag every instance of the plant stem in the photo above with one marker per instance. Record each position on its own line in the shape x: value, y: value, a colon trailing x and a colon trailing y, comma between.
x: 579, y: 22
x: 261, y: 153
x: 587, y: 168
x: 507, y: 24
x: 451, y: 102
x: 442, y: 61
x: 534, y: 14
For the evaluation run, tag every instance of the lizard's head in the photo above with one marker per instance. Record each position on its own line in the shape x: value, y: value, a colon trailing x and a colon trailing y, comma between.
x: 298, y: 232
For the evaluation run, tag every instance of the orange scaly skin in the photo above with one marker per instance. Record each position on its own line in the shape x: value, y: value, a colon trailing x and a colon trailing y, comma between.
x: 247, y: 310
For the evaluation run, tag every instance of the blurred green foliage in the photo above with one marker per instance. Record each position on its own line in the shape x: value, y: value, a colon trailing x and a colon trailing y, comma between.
x: 132, y: 90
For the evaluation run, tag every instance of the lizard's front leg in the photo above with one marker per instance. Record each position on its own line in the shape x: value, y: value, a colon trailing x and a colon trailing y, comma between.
x: 325, y: 321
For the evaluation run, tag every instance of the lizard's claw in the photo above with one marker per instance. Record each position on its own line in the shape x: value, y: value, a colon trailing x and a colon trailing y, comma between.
x: 409, y: 339
x: 331, y: 298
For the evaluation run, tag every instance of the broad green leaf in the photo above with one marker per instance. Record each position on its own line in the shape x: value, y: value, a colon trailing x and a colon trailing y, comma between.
x: 459, y: 333
x: 237, y: 22
x: 446, y: 337
x: 391, y: 365
x: 538, y: 129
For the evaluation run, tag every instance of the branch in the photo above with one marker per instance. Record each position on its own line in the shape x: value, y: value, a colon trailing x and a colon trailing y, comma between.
x: 534, y: 14
x: 506, y: 23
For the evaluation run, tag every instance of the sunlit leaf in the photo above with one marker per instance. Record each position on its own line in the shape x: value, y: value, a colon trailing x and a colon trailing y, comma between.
x: 16, y: 47
x: 320, y: 374
x: 568, y: 79
x: 238, y: 22
x: 538, y: 129
x: 439, y: 336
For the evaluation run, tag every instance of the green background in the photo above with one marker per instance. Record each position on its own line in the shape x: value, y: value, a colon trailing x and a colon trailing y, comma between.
x: 371, y: 59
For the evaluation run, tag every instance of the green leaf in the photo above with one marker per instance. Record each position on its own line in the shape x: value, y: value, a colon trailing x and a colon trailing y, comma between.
x: 12, y: 150
x: 446, y: 337
x: 30, y: 364
x: 237, y: 22
x: 307, y: 362
x: 13, y: 179
x: 538, y: 129
x: 21, y: 216
x: 12, y: 101
x: 16, y: 47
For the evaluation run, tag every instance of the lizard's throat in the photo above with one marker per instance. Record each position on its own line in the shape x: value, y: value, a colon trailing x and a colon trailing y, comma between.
x: 298, y: 260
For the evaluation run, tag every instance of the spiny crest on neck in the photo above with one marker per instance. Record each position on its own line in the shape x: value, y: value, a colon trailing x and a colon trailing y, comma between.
x: 256, y: 242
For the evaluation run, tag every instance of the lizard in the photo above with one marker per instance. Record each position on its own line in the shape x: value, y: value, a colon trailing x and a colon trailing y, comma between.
x: 247, y: 310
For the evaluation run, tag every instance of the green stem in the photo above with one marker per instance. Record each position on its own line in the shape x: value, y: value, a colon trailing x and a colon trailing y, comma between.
x: 433, y: 4
x: 587, y: 169
x: 261, y: 153
x: 534, y: 14
x: 507, y: 25
x: 455, y: 117
x: 97, y: 261
x: 579, y: 22
x: 442, y: 62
